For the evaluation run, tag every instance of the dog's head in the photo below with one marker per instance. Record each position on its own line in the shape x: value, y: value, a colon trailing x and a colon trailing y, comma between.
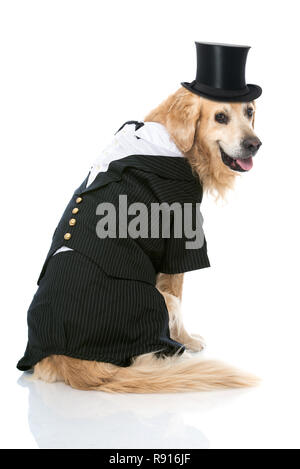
x: 217, y: 138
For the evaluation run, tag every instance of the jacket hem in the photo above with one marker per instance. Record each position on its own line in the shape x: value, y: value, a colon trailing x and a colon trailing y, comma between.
x: 30, y: 362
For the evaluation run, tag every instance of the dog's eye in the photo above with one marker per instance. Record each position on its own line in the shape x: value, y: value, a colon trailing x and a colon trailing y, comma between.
x: 221, y: 118
x: 250, y: 111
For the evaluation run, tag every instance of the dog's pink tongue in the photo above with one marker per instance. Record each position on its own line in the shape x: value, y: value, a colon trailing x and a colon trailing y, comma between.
x: 245, y: 164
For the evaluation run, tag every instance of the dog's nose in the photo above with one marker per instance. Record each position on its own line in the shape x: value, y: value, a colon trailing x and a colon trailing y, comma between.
x: 252, y: 144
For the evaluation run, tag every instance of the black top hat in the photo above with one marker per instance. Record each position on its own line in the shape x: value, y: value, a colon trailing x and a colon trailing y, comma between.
x: 221, y: 73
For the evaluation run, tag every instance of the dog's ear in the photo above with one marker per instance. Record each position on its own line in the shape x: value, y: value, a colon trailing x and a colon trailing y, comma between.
x: 182, y: 117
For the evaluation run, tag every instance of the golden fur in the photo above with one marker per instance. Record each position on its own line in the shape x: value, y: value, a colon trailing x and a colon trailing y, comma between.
x: 190, y: 122
x: 146, y: 375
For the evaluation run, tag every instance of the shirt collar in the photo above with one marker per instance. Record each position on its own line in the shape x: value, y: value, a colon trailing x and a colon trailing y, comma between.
x: 150, y: 139
x: 157, y: 135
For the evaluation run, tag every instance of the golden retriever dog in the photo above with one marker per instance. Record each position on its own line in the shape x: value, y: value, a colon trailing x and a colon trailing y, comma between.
x: 218, y: 141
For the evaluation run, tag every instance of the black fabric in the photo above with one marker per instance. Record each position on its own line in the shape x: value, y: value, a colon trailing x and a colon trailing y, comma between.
x: 221, y: 73
x: 146, y: 179
x: 138, y: 125
x: 81, y: 312
x: 88, y: 297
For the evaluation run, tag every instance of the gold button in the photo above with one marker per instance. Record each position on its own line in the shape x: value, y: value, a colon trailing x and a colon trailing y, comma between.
x: 72, y: 222
x: 75, y: 210
x: 67, y: 236
x: 78, y: 200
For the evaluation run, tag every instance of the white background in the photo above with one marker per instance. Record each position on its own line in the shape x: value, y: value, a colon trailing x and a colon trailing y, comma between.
x: 71, y: 73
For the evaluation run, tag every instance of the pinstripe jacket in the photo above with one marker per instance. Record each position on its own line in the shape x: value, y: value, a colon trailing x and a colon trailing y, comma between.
x: 144, y: 179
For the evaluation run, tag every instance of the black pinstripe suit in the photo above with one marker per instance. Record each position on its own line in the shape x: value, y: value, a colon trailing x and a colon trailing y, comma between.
x: 99, y: 301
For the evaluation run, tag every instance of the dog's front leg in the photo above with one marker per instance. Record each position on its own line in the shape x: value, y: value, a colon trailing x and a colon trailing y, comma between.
x: 170, y: 286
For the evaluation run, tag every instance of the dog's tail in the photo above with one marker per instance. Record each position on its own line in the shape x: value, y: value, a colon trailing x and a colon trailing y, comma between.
x: 148, y: 374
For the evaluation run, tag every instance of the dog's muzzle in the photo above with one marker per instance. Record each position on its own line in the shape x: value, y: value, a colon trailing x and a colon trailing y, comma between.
x: 237, y: 164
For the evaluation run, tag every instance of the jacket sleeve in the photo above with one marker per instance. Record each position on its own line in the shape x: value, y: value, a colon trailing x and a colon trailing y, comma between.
x: 188, y: 252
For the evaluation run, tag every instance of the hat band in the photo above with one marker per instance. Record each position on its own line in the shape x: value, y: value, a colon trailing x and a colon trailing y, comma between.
x: 218, y: 92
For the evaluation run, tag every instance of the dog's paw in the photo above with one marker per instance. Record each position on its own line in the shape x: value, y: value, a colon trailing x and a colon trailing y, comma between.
x: 195, y: 343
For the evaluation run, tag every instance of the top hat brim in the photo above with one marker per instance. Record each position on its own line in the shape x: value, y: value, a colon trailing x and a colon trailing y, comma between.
x: 250, y: 93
